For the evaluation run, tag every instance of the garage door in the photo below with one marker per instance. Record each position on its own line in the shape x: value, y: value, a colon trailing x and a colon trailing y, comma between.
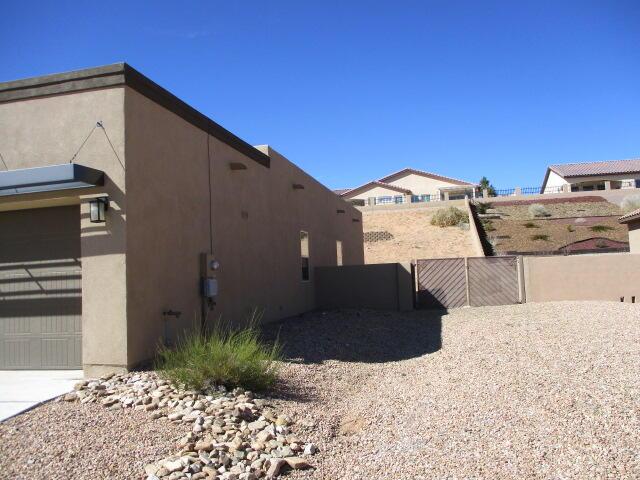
x: 40, y: 289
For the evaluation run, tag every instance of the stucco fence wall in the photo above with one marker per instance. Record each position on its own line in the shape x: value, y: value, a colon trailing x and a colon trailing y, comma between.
x: 582, y: 277
x: 599, y: 277
x: 383, y: 286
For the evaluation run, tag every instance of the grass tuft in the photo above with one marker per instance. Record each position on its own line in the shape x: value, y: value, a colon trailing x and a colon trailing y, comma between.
x: 601, y: 228
x: 233, y: 358
x: 539, y: 237
x: 530, y: 225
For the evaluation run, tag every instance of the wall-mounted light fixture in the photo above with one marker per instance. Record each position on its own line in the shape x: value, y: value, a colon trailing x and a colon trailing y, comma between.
x: 97, y: 209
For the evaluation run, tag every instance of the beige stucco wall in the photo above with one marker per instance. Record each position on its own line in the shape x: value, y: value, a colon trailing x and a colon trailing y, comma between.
x: 256, y: 216
x: 473, y: 231
x: 582, y: 277
x: 634, y: 236
x: 48, y: 131
x: 382, y: 286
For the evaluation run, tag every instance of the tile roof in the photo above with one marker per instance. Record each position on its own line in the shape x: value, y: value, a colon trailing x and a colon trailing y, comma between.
x: 379, y: 184
x: 425, y: 174
x: 340, y: 191
x: 630, y: 216
x: 585, y: 169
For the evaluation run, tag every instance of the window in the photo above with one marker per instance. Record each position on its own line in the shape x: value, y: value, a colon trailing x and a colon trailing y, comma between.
x: 304, y: 254
x: 338, y: 252
x: 384, y: 200
x: 398, y: 199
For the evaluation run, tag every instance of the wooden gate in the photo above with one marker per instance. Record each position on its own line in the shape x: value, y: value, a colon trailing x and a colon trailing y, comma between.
x: 493, y: 281
x: 441, y: 283
x: 458, y: 282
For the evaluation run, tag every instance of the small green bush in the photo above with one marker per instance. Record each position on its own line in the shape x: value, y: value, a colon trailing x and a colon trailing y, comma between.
x: 233, y: 358
x: 530, y: 225
x: 540, y: 237
x: 488, y: 226
x: 537, y: 210
x: 449, y: 217
x: 600, y: 228
x: 571, y: 228
x: 630, y: 203
x: 483, y: 207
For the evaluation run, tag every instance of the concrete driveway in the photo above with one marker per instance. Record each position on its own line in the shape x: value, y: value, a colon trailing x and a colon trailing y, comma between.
x: 22, y: 389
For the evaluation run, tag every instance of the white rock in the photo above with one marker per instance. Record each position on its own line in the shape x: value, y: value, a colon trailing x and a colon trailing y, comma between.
x: 310, y: 449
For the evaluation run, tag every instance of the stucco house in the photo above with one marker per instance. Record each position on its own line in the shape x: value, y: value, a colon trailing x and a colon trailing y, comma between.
x: 589, y: 176
x: 128, y: 217
x: 632, y: 220
x: 409, y: 185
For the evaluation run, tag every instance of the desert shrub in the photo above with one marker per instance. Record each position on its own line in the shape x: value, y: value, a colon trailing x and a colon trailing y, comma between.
x: 601, y: 244
x: 539, y: 236
x: 530, y: 225
x: 571, y: 228
x: 449, y: 217
x: 630, y: 203
x: 233, y: 358
x: 601, y: 228
x: 482, y: 207
x: 537, y: 210
x: 488, y: 226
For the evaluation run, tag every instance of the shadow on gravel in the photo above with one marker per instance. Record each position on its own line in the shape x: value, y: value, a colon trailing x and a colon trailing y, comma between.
x: 358, y: 335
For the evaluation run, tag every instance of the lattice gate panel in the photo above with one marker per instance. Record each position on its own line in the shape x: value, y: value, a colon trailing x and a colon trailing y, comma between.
x: 493, y: 281
x: 441, y: 283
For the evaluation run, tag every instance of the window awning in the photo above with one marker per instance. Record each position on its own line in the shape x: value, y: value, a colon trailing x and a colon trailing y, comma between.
x: 49, y: 179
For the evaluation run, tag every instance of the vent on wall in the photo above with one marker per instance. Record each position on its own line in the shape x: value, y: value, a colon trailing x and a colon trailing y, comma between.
x: 377, y: 237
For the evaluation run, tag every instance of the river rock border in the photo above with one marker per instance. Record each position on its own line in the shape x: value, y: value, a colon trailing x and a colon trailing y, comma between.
x: 234, y: 435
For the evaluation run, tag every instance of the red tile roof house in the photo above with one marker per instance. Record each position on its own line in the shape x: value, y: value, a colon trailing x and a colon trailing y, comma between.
x: 589, y: 176
x: 632, y: 219
x: 410, y: 186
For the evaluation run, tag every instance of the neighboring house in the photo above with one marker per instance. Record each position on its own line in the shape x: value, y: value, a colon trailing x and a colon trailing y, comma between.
x: 632, y: 220
x: 199, y: 224
x: 409, y: 186
x: 589, y: 176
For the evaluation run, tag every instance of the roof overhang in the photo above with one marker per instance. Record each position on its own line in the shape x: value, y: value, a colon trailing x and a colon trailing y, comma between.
x: 70, y: 176
x: 630, y: 217
x: 458, y: 187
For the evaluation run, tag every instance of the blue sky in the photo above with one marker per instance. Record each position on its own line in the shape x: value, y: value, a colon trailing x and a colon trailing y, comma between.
x: 351, y: 91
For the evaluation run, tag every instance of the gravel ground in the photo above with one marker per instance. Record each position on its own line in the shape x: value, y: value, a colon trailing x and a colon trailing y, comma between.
x: 62, y: 440
x: 527, y: 391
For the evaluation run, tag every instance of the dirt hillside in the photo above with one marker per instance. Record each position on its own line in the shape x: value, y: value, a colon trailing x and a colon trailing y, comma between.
x: 413, y: 237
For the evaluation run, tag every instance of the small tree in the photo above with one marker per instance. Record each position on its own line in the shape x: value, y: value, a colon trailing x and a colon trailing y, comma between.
x: 485, y: 183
